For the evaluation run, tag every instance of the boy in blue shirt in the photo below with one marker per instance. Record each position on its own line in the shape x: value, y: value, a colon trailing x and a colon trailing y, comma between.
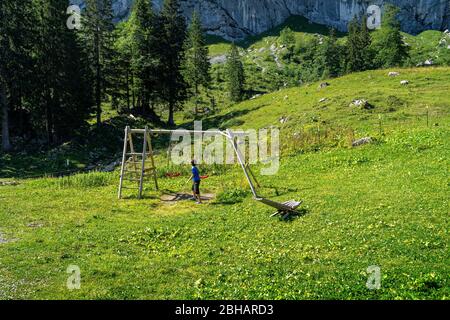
x: 195, y: 177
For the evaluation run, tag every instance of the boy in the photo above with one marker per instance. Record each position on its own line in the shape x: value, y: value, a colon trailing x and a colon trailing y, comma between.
x: 195, y: 177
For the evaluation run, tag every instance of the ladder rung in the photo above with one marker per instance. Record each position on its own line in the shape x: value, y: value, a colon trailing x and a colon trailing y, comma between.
x: 134, y: 162
x: 131, y: 179
x: 138, y: 171
x: 134, y: 154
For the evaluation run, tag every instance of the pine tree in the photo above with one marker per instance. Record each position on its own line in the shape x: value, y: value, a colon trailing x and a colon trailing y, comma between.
x: 146, y: 54
x: 62, y: 93
x: 389, y: 45
x: 287, y: 40
x: 358, y: 46
x: 17, y: 21
x: 331, y: 56
x: 354, y: 55
x: 196, y: 62
x: 307, y: 56
x: 235, y: 74
x: 123, y: 86
x: 173, y: 89
x: 365, y: 39
x: 98, y: 30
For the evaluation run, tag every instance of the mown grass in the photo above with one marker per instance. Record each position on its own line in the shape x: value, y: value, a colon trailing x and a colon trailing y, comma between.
x: 383, y: 204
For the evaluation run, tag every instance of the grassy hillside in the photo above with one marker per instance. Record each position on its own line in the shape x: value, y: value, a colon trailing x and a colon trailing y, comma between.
x: 309, y: 106
x: 383, y: 204
x: 267, y: 70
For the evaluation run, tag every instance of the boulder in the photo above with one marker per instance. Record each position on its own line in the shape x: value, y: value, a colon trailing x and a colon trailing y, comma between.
x: 361, y: 103
x: 324, y: 85
x: 91, y: 167
x: 218, y: 59
x: 112, y: 166
x: 362, y: 141
x: 393, y: 74
x: 9, y: 183
x: 283, y: 120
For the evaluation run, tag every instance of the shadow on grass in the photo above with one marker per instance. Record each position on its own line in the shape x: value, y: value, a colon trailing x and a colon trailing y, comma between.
x: 223, y: 121
x: 289, y: 217
x: 135, y: 197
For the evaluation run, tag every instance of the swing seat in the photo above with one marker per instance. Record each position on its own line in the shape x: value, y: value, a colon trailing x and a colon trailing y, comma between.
x: 286, y: 208
x: 173, y: 174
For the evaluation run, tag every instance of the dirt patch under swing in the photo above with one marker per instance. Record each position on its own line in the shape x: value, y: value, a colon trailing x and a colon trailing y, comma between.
x: 176, y: 197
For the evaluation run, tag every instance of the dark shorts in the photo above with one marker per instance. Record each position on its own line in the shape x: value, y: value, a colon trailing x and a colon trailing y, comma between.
x: 196, y: 187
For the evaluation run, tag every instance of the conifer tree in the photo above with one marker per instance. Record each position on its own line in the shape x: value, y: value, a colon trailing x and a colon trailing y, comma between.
x: 389, y: 45
x: 358, y: 46
x: 235, y: 74
x: 17, y: 20
x: 123, y: 85
x: 196, y: 62
x: 62, y: 92
x: 331, y: 56
x: 173, y: 88
x: 146, y: 54
x: 98, y: 39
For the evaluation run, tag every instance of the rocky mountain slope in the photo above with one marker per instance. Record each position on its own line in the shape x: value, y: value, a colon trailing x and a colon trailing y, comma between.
x: 236, y: 19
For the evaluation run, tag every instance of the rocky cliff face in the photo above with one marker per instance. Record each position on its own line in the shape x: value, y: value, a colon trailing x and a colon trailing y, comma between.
x: 236, y: 19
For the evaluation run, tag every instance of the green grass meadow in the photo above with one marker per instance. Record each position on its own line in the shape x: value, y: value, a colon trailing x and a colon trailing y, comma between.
x: 384, y: 204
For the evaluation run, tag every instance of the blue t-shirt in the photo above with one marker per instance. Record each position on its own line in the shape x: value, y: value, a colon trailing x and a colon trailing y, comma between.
x: 196, y: 174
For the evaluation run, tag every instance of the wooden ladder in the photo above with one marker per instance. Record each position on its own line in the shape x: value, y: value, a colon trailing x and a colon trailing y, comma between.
x: 134, y: 169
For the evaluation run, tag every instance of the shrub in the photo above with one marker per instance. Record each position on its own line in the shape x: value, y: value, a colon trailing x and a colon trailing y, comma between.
x: 85, y: 180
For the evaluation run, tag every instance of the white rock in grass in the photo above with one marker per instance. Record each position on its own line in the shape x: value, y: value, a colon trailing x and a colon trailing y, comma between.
x: 324, y: 85
x: 361, y: 103
x: 394, y: 74
x: 283, y: 120
x: 112, y: 166
x: 404, y: 82
x: 362, y: 141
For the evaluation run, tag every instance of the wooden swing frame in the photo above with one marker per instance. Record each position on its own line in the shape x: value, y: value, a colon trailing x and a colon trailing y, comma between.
x: 284, y: 209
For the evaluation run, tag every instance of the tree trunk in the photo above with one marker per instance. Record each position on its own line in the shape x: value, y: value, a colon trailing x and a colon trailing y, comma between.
x: 171, y: 121
x: 98, y: 94
x: 132, y: 91
x: 196, y: 98
x: 128, y: 91
x: 6, y: 144
x: 49, y: 118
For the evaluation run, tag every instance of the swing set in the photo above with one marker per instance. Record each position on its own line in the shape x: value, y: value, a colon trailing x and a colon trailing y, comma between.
x: 136, y: 166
